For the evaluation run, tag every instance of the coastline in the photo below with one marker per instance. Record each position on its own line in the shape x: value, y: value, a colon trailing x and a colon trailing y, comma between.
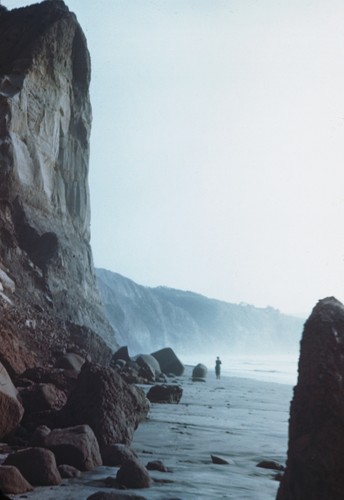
x: 241, y: 420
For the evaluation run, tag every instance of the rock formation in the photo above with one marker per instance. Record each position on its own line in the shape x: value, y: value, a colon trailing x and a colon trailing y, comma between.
x: 315, y: 466
x: 48, y: 292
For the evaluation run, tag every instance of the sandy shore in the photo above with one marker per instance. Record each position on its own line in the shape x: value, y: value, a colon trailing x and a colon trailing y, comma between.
x: 243, y: 421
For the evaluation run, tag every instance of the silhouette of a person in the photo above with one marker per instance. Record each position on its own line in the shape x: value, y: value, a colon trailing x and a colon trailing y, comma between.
x: 218, y: 367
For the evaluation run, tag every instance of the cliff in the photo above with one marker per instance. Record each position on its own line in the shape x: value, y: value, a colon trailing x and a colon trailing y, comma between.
x: 48, y: 289
x: 151, y: 318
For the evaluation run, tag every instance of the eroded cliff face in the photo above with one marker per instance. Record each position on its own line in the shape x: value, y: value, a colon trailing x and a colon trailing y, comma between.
x: 45, y: 119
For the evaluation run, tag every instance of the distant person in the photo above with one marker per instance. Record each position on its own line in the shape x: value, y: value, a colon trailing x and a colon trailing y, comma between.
x: 218, y: 367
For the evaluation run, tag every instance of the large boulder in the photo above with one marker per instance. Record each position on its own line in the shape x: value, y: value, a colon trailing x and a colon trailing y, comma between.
x: 76, y: 446
x: 11, y: 410
x: 104, y: 401
x: 37, y: 465
x: 132, y: 474
x: 149, y: 366
x: 165, y: 393
x: 12, y: 481
x: 70, y: 361
x: 315, y: 465
x: 115, y: 454
x: 168, y: 361
x: 199, y: 372
x: 121, y: 353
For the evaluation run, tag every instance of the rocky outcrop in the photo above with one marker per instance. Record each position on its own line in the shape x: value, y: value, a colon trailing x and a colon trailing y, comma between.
x: 149, y: 319
x: 48, y: 292
x: 315, y: 467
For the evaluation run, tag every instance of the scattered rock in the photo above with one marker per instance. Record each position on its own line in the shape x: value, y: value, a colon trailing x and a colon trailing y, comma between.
x: 70, y: 361
x: 132, y: 474
x: 11, y: 411
x: 104, y: 401
x: 122, y: 354
x: 165, y: 393
x: 114, y: 455
x: 270, y: 464
x: 68, y: 471
x: 37, y: 465
x: 199, y: 372
x: 112, y: 495
x: 219, y: 460
x: 76, y: 446
x: 168, y: 361
x: 156, y: 465
x: 12, y: 481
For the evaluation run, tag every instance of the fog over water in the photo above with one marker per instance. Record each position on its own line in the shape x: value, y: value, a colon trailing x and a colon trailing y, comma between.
x: 217, y: 147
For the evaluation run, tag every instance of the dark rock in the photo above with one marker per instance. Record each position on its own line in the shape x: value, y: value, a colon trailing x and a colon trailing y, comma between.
x: 41, y: 397
x: 11, y: 411
x: 168, y: 361
x: 270, y: 464
x: 122, y: 353
x: 219, y: 460
x: 62, y: 379
x: 133, y: 475
x: 68, y: 471
x: 156, y: 465
x: 199, y: 372
x: 315, y: 466
x: 12, y: 481
x: 165, y: 393
x: 115, y: 454
x: 104, y: 401
x: 112, y: 495
x: 76, y: 446
x: 149, y: 367
x: 37, y: 465
x: 70, y: 361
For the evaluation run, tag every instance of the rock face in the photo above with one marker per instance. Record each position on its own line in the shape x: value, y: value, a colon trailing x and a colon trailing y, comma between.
x: 315, y: 467
x: 11, y: 410
x: 46, y: 266
x: 149, y: 319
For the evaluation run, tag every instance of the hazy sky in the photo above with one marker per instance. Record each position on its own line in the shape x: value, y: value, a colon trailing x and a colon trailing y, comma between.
x: 217, y: 149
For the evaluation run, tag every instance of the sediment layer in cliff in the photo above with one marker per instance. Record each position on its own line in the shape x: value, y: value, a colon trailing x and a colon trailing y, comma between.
x: 46, y: 266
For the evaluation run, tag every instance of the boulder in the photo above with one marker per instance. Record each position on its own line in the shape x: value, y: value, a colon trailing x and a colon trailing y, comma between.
x: 150, y: 364
x: 68, y: 471
x: 315, y: 466
x: 114, y: 455
x: 113, y: 495
x: 12, y: 481
x: 218, y: 460
x: 271, y: 464
x: 104, y: 401
x: 168, y: 361
x: 76, y: 446
x: 37, y: 465
x: 122, y: 353
x: 62, y: 379
x: 165, y: 393
x: 11, y: 411
x: 41, y: 397
x: 156, y: 465
x: 70, y: 361
x: 199, y: 372
x: 132, y: 474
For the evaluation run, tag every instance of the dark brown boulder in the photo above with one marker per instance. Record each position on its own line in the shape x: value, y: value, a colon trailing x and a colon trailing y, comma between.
x: 70, y: 361
x: 37, y: 465
x: 165, y: 393
x: 132, y: 474
x: 199, y: 372
x: 104, y: 401
x: 11, y: 410
x: 315, y: 466
x: 12, y: 481
x: 76, y: 446
x: 122, y: 353
x: 168, y: 361
x: 68, y: 471
x: 62, y: 379
x: 113, y: 495
x: 41, y: 397
x: 156, y: 465
x: 115, y: 454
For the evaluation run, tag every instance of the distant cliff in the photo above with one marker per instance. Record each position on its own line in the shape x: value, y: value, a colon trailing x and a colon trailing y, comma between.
x: 46, y: 268
x: 150, y: 318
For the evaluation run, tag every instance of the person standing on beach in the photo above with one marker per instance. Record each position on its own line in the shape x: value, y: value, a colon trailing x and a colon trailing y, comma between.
x: 218, y: 367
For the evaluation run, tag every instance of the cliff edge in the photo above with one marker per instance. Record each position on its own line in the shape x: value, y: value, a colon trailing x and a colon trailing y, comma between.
x: 48, y: 291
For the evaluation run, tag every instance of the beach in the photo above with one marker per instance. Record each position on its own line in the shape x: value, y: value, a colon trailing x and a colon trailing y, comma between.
x: 241, y: 420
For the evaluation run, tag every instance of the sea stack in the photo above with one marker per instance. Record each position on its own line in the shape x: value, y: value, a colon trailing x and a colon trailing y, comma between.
x: 315, y: 465
x: 46, y: 265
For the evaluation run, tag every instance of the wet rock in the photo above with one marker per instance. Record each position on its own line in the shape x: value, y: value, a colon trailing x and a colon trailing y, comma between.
x: 270, y: 464
x: 104, y: 401
x: 165, y: 393
x: 315, y: 466
x: 219, y: 460
x: 168, y: 361
x: 12, y: 481
x: 156, y: 465
x: 68, y: 471
x: 199, y: 372
x: 132, y: 474
x: 115, y: 454
x: 11, y: 410
x: 37, y: 465
x: 122, y: 353
x: 76, y: 446
x: 112, y: 495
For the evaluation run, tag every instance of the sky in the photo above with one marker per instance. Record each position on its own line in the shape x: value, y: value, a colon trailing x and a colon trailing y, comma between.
x: 217, y: 146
